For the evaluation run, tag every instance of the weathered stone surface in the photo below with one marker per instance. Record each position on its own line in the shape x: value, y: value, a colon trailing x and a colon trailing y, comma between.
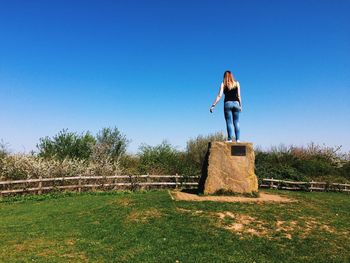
x: 226, y: 172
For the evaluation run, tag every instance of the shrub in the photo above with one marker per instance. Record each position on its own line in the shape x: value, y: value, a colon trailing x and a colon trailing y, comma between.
x: 197, y: 148
x: 67, y: 145
x: 300, y: 163
x: 345, y: 170
x: 20, y: 166
x: 130, y: 164
x: 187, y: 167
x: 159, y: 159
x: 110, y: 145
x: 3, y: 149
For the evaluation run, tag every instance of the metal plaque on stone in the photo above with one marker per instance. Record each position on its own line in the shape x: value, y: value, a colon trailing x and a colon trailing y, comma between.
x: 238, y: 150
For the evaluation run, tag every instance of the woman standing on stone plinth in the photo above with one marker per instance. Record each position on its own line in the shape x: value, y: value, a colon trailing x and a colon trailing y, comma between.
x: 232, y: 104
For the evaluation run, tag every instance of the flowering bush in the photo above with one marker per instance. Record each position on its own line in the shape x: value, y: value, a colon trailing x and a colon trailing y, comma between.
x: 21, y: 166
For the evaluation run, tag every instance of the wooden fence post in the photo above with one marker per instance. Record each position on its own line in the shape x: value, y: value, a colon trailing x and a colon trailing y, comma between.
x: 148, y: 180
x: 176, y: 181
x: 40, y: 185
x: 131, y: 183
x: 79, y: 183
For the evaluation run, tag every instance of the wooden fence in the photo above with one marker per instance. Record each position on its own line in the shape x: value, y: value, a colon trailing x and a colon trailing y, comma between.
x: 133, y: 182
x: 304, y: 186
x: 84, y: 183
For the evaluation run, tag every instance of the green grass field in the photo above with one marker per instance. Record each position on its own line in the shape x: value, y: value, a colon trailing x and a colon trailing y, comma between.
x: 151, y: 227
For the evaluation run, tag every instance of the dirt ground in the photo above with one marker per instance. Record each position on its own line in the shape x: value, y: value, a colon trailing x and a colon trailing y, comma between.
x: 264, y: 197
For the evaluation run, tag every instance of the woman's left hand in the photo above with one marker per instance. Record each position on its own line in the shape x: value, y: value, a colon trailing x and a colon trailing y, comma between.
x: 211, y: 109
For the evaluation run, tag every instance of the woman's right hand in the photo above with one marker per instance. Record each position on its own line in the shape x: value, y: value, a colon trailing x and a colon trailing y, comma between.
x: 211, y: 109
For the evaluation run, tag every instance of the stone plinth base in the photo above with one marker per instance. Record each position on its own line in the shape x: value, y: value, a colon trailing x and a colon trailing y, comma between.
x: 229, y: 167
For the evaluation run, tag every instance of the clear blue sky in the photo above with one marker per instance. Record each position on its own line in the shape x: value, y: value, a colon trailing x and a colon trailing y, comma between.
x: 153, y: 68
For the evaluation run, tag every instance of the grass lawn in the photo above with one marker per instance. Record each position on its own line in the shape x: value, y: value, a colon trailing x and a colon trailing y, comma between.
x: 151, y: 227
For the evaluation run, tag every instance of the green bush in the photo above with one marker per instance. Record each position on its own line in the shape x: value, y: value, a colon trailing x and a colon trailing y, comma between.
x: 197, y: 148
x: 314, y: 167
x: 345, y: 170
x: 130, y: 164
x: 276, y: 165
x: 67, y: 145
x: 159, y: 159
x: 110, y: 145
x: 166, y: 159
x: 3, y: 149
x: 301, y: 163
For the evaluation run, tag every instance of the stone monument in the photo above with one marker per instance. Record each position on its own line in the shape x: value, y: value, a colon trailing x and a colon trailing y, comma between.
x: 229, y: 167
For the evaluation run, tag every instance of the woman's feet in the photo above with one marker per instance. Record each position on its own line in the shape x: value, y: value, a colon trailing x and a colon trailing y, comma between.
x: 231, y: 141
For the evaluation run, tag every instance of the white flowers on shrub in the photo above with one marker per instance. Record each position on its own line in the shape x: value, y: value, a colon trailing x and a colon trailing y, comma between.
x: 21, y: 166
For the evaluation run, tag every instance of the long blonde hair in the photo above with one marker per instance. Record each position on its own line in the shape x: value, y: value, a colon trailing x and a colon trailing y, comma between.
x: 229, y: 80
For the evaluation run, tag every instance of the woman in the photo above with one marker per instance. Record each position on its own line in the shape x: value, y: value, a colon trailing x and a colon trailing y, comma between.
x: 232, y: 104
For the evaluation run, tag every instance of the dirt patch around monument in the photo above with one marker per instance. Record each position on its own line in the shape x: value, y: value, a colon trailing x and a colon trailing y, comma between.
x: 246, y: 226
x: 263, y: 197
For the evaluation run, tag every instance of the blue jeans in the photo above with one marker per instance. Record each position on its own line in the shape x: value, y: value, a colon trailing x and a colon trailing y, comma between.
x: 232, y: 110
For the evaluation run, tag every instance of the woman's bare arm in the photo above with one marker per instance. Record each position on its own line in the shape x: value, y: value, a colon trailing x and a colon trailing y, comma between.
x: 218, y: 97
x: 239, y: 94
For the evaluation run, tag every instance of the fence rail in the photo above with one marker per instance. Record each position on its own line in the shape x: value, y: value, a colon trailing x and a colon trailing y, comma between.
x: 122, y: 182
x: 304, y: 186
x: 82, y: 183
